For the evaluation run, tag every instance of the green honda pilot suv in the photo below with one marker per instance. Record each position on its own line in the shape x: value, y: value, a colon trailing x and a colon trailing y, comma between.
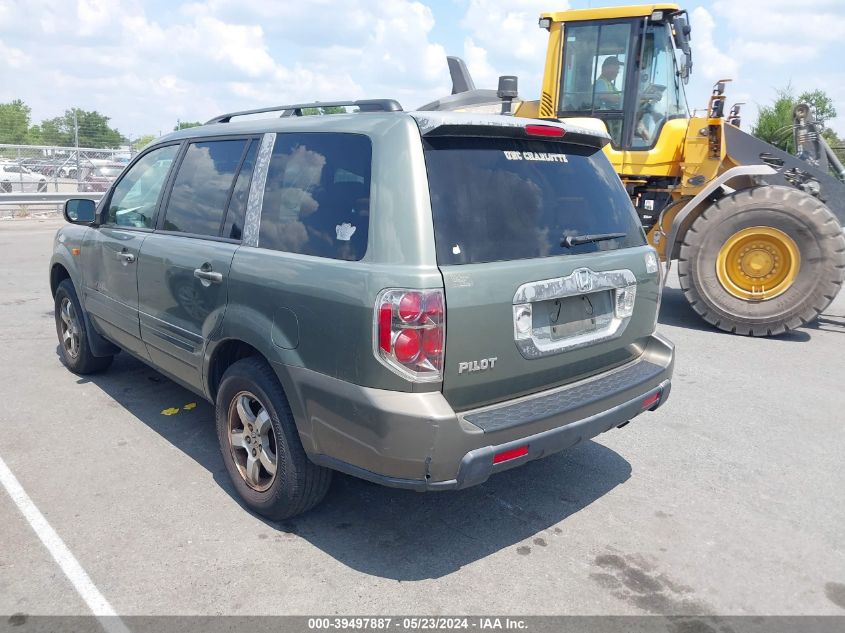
x: 419, y: 299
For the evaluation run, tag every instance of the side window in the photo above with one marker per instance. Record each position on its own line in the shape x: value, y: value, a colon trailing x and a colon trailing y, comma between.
x: 135, y: 197
x: 317, y: 195
x: 234, y: 226
x: 202, y: 186
x: 595, y: 59
x: 659, y: 94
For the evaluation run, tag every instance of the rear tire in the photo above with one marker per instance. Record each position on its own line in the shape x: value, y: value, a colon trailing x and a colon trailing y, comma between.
x: 803, y: 221
x: 74, y: 348
x: 266, y: 435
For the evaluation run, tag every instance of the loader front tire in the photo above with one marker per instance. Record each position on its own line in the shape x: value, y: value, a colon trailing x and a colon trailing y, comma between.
x: 762, y: 261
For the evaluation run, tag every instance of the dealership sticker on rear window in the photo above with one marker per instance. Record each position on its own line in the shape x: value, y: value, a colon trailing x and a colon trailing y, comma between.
x: 541, y: 156
x: 345, y: 231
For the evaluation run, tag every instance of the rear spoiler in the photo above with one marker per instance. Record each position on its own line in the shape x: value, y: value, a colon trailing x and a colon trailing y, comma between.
x: 474, y: 125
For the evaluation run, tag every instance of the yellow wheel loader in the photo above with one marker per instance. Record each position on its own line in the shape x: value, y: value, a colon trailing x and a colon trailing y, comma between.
x: 757, y: 231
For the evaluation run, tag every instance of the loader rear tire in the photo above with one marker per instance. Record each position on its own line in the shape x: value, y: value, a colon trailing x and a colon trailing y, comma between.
x: 791, y: 230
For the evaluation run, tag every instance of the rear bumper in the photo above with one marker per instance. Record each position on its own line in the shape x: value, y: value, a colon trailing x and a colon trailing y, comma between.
x: 416, y: 441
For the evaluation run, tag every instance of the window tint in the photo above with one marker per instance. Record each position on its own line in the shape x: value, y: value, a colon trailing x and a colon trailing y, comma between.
x: 234, y: 226
x: 317, y: 196
x: 500, y: 199
x: 135, y: 197
x: 202, y: 186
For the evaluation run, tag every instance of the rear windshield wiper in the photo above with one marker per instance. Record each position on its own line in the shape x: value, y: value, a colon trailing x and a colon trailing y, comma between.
x: 574, y: 240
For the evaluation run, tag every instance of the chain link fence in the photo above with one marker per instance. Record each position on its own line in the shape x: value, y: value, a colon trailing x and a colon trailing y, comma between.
x: 55, y: 169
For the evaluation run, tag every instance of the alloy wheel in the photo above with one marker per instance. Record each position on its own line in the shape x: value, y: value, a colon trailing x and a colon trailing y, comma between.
x: 252, y: 441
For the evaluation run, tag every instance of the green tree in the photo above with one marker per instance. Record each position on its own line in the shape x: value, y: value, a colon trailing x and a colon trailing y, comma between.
x: 93, y: 129
x: 821, y: 103
x: 326, y: 110
x: 14, y: 122
x: 774, y: 123
x: 34, y: 137
x: 143, y: 141
x: 184, y: 125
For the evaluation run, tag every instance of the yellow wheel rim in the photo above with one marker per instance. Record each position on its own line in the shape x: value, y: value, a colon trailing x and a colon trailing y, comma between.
x: 758, y: 263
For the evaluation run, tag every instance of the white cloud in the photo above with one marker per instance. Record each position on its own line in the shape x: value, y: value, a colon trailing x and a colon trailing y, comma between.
x: 772, y: 52
x: 93, y: 16
x: 505, y: 39
x: 708, y: 59
x: 782, y: 32
x: 12, y: 57
x: 785, y: 21
x: 483, y: 74
x: 148, y: 64
x: 193, y: 61
x: 509, y: 30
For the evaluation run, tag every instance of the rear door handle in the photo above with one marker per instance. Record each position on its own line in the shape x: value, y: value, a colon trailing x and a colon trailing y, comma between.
x: 209, y: 276
x: 127, y: 258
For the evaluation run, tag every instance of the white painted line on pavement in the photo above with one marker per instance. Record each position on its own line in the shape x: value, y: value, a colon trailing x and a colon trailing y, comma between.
x: 65, y: 559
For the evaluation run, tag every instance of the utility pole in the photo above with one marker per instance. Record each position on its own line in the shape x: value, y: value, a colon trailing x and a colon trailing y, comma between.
x: 76, y: 144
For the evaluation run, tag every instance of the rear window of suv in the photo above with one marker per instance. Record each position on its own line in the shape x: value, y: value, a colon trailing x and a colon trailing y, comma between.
x: 505, y: 199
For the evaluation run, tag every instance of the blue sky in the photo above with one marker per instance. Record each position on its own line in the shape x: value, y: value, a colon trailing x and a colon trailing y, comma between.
x: 149, y: 64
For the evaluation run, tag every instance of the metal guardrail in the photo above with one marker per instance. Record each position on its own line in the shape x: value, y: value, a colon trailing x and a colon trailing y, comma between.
x: 18, y: 199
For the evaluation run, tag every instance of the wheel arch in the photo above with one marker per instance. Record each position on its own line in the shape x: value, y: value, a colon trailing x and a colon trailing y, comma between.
x: 224, y: 352
x: 58, y: 273
x: 742, y: 177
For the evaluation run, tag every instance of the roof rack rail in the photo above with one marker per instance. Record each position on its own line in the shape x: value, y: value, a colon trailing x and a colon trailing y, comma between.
x: 363, y: 105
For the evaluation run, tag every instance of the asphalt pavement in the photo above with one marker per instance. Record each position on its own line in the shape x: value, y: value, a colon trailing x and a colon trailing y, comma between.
x: 727, y: 500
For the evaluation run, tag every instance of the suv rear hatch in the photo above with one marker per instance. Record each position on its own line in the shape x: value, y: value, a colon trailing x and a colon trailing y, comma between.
x: 547, y: 275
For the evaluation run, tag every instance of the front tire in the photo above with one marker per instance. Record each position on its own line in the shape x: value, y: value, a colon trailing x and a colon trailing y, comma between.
x: 74, y: 347
x: 261, y: 446
x: 762, y: 261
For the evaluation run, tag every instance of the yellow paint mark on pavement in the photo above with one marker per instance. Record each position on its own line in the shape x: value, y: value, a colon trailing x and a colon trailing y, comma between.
x: 170, y: 411
x: 189, y: 406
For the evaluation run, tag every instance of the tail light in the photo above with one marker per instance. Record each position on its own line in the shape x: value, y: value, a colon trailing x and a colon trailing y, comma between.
x: 409, y: 333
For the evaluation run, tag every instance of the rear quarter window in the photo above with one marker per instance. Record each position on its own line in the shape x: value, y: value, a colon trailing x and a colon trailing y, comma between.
x: 317, y: 195
x: 506, y: 199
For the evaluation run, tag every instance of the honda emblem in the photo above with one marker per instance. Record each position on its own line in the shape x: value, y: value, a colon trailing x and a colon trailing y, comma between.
x: 584, y: 280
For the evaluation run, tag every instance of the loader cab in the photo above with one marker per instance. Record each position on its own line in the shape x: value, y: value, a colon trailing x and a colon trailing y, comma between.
x: 624, y: 71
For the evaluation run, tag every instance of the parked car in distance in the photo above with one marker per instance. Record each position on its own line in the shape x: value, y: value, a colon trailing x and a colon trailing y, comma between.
x: 17, y: 177
x: 56, y: 167
x: 99, y: 178
x: 37, y: 165
x: 423, y: 323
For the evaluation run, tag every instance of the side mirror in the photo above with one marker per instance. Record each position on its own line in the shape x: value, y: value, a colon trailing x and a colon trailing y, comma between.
x: 80, y: 211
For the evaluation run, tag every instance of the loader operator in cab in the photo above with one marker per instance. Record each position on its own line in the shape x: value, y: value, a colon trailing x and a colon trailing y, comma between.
x: 607, y: 95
